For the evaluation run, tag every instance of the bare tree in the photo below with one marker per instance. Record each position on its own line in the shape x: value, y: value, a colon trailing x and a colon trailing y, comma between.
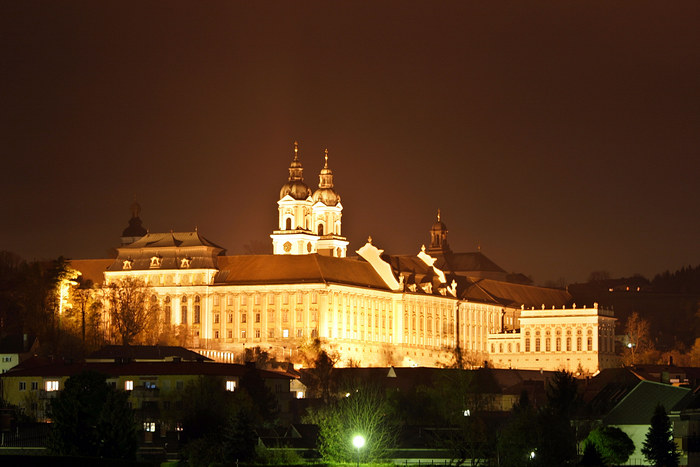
x: 638, y: 339
x: 132, y: 309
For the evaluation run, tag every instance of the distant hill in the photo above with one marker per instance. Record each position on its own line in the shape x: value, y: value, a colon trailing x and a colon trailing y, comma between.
x: 670, y: 302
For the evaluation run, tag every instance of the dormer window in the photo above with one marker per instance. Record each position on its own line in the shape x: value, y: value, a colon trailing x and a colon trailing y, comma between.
x: 156, y: 261
x: 127, y: 264
x: 185, y: 262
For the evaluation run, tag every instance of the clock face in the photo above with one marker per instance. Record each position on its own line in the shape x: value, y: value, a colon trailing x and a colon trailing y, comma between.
x: 287, y: 247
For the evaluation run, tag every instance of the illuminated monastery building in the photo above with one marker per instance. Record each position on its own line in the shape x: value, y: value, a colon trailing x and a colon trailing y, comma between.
x: 372, y: 309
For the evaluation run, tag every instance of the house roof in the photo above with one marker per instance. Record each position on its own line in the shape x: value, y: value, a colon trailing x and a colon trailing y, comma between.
x: 297, y: 269
x: 47, y: 367
x: 637, y: 407
x: 146, y: 353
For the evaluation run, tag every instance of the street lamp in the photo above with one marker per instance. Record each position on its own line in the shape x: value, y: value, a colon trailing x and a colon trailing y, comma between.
x: 358, y: 441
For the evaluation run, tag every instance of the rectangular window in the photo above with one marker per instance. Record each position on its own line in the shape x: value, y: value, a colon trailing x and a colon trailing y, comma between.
x: 285, y: 332
x: 230, y: 317
x: 548, y: 344
x: 257, y: 333
x: 216, y: 300
x: 51, y: 385
x: 34, y: 385
x: 527, y: 344
x: 229, y: 300
x: 257, y: 317
x: 285, y: 316
x: 149, y: 426
x: 537, y: 344
x: 244, y: 300
x: 128, y: 385
x: 196, y: 314
x: 558, y: 344
x: 216, y: 318
x: 590, y: 343
x: 299, y: 316
x: 150, y: 385
x: 270, y: 333
x: 314, y: 297
x: 256, y: 299
x: 183, y: 312
x: 285, y: 299
x: 22, y: 385
x: 230, y: 334
x: 271, y: 299
x: 243, y: 317
x: 179, y: 384
x: 300, y: 333
x: 216, y: 334
x: 243, y: 334
x: 568, y: 344
x: 230, y: 386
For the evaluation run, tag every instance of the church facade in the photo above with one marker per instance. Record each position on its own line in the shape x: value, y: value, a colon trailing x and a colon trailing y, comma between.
x: 371, y: 309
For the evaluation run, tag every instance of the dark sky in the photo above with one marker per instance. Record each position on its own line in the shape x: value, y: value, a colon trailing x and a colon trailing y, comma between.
x: 562, y: 137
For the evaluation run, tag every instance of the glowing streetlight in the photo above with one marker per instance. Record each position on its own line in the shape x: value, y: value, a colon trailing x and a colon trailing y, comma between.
x: 358, y: 441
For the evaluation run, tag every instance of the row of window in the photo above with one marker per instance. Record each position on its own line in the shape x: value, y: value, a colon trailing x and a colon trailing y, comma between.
x: 53, y: 385
x: 557, y: 345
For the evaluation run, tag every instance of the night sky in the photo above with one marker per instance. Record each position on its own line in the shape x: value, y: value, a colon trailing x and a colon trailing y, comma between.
x: 562, y: 137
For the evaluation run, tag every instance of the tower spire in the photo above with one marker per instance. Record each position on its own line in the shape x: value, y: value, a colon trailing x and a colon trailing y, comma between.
x: 296, y: 172
x: 325, y: 179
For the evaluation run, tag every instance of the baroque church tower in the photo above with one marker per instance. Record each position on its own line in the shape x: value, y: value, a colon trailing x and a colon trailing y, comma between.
x: 308, y: 222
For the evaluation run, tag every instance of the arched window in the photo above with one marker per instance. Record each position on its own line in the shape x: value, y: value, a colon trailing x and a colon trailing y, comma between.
x: 320, y: 229
x: 288, y: 225
x: 196, y: 310
x: 167, y: 310
x: 183, y: 309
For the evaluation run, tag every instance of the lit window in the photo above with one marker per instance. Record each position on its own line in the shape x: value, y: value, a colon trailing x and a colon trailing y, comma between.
x: 150, y: 385
x: 51, y: 385
x: 127, y: 264
x: 185, y: 262
x: 230, y: 385
x: 300, y: 394
x: 156, y: 261
x: 149, y: 426
x: 285, y: 332
x: 128, y: 385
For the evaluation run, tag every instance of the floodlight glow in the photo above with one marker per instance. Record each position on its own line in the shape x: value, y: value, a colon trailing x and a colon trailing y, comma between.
x: 358, y: 441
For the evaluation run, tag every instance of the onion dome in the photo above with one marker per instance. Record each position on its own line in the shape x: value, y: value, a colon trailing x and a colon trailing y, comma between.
x: 135, y: 229
x: 295, y: 187
x: 325, y: 193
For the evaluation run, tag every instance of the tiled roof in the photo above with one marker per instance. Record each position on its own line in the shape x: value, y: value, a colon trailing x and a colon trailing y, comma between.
x: 171, y: 239
x: 146, y: 352
x: 296, y: 269
x: 638, y: 405
x: 43, y: 367
x: 515, y: 295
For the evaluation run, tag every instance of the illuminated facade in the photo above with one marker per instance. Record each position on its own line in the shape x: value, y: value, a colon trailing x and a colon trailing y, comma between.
x: 373, y: 309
